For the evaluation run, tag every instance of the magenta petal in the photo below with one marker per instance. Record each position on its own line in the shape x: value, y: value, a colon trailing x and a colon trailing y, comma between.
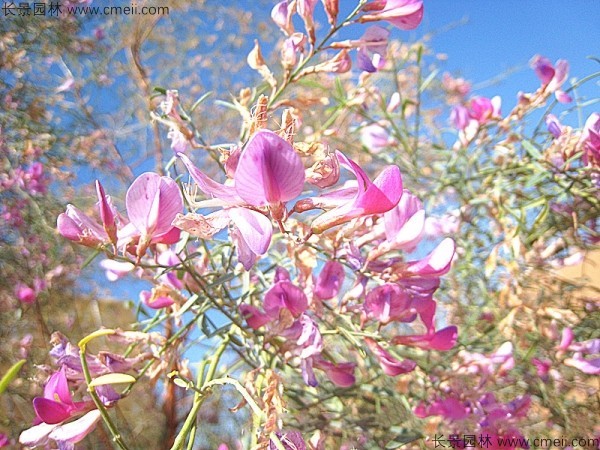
x: 390, y: 365
x: 444, y: 339
x: 255, y: 228
x: 269, y: 171
x: 106, y: 213
x: 329, y: 281
x: 375, y: 197
x: 254, y: 317
x: 226, y: 193
x: 57, y: 385
x: 341, y: 374
x: 152, y: 203
x: 437, y: 262
x: 75, y: 431
x: 566, y: 338
x: 285, y: 295
x: 50, y: 411
x: 384, y: 193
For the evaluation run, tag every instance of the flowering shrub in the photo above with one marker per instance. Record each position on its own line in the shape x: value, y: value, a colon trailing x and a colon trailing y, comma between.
x: 331, y: 271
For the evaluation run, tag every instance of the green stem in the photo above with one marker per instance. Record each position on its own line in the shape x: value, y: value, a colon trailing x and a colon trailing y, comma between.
x: 103, y: 412
x: 198, y: 397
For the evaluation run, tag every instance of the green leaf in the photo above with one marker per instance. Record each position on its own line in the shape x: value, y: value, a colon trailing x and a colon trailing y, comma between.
x: 10, y: 375
x: 104, y: 332
x: 427, y: 81
x: 160, y: 90
x: 199, y: 101
x: 112, y: 378
x: 531, y: 150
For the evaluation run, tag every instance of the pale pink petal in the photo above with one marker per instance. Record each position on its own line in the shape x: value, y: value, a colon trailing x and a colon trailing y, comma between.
x: 36, y: 435
x: 341, y: 374
x: 374, y: 197
x: 436, y: 263
x: 255, y: 228
x: 405, y: 14
x: 211, y: 188
x: 75, y: 431
x: 589, y: 366
x: 269, y: 171
x: 152, y: 203
x: 204, y: 227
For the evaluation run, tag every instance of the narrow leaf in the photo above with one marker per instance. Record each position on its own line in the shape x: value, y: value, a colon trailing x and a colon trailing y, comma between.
x: 112, y: 378
x: 10, y: 375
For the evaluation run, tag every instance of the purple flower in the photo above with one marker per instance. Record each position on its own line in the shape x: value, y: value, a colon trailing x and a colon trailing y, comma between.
x: 329, y: 281
x: 372, y: 49
x: 65, y: 435
x: 363, y: 198
x: 57, y: 405
x: 390, y: 365
x: 589, y: 141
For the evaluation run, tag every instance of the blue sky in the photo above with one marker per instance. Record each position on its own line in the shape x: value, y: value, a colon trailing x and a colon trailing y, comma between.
x: 502, y: 35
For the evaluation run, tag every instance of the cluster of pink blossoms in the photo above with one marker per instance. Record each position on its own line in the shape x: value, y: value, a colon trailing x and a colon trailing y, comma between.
x: 56, y: 407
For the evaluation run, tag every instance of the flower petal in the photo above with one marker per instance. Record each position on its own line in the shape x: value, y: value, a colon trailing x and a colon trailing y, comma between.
x: 269, y: 171
x: 75, y: 431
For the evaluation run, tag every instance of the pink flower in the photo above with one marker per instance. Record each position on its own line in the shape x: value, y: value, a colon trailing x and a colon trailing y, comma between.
x: 290, y: 49
x: 152, y: 203
x: 25, y: 294
x: 107, y: 215
x: 553, y: 125
x: 451, y: 408
x: 363, y: 198
x: 589, y: 141
x: 483, y: 109
x: 268, y: 174
x: 291, y: 440
x: 57, y: 404
x: 285, y: 294
x: 443, y: 339
x: 404, y: 14
x: 390, y: 365
x: 77, y: 226
x: 404, y: 226
x: 459, y: 116
x: 329, y: 281
x: 64, y: 435
x: 389, y: 303
x: 372, y: 49
x: 552, y: 77
x: 375, y: 137
x: 341, y: 374
x: 282, y: 16
x: 116, y: 270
